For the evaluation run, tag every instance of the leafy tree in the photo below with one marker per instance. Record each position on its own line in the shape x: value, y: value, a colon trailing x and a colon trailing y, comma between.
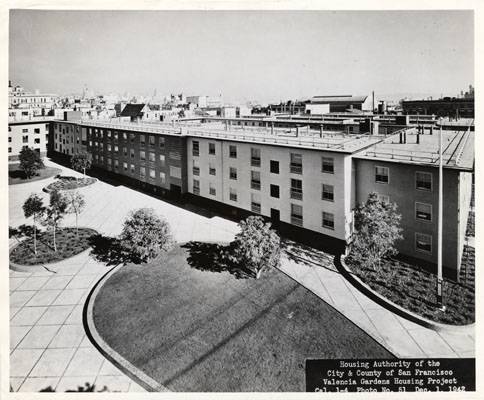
x: 30, y: 161
x: 81, y: 162
x: 257, y: 246
x: 76, y: 205
x: 34, y: 207
x: 145, y: 235
x: 377, y: 228
x: 58, y: 204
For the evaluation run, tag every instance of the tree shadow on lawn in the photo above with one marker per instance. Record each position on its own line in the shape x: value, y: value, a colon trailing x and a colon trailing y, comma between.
x: 110, y: 251
x: 215, y: 257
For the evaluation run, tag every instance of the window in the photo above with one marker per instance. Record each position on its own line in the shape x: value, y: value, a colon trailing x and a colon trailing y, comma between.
x: 108, y: 161
x: 327, y: 165
x: 9, y: 149
x: 151, y: 140
x: 255, y: 203
x: 25, y: 130
x: 423, y: 243
x: 381, y: 174
x: 162, y: 177
x: 175, y: 155
x: 233, y: 173
x: 175, y: 172
x: 383, y: 198
x: 115, y: 135
x: 142, y: 172
x: 328, y: 220
x: 328, y: 192
x: 131, y: 152
x: 423, y: 211
x: 275, y: 191
x: 196, y: 148
x: 233, y: 151
x: 116, y: 164
x: 125, y: 151
x: 233, y: 194
x: 125, y: 166
x: 196, y: 186
x: 296, y: 164
x: 296, y: 189
x: 132, y: 168
x: 161, y: 142
x: 125, y: 136
x: 25, y: 139
x: 37, y: 141
x: 142, y: 140
x: 196, y: 168
x: 109, y: 134
x: 116, y: 149
x: 274, y: 167
x: 211, y: 148
x: 296, y: 215
x: 151, y: 156
x: 162, y: 160
x: 254, y: 157
x: 211, y: 169
x: 152, y: 173
x: 109, y: 147
x: 142, y: 155
x: 255, y: 180
x: 131, y: 137
x: 423, y: 181
x: 211, y: 190
x: 37, y: 130
x: 9, y: 139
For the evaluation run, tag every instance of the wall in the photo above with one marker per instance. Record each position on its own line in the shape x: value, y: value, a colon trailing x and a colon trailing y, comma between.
x: 36, y: 133
x: 402, y: 191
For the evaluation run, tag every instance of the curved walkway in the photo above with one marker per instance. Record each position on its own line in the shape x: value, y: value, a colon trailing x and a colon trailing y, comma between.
x: 48, y: 344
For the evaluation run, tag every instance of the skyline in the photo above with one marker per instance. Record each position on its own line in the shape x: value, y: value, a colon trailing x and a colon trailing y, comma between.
x: 244, y: 55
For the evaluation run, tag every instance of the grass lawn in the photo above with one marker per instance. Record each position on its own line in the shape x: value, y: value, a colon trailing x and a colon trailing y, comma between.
x: 68, y: 245
x: 69, y: 183
x: 15, y: 175
x: 415, y: 289
x: 207, y: 329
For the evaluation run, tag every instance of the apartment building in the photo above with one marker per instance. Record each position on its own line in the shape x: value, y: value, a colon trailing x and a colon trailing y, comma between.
x: 32, y: 132
x: 308, y: 185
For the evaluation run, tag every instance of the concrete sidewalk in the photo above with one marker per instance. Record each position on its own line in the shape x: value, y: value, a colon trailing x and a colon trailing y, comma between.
x: 47, y: 339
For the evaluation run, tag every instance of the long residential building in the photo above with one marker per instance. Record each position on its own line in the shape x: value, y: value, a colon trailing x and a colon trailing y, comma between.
x: 307, y: 185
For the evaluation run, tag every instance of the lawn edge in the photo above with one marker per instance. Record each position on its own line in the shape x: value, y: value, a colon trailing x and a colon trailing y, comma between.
x: 107, y: 351
x: 41, y: 267
x: 395, y: 308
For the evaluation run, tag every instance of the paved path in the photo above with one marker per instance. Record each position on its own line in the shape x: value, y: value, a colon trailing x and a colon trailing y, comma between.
x: 47, y: 340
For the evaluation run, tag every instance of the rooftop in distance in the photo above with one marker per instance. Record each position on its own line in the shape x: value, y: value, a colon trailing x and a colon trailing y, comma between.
x: 457, y: 149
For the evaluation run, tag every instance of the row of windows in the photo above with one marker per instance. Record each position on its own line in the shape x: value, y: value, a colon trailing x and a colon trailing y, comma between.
x: 124, y: 135
x: 296, y: 209
x: 423, y: 180
x: 295, y: 165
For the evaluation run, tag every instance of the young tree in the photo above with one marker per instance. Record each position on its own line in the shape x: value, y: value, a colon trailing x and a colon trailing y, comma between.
x: 377, y: 228
x: 145, y: 235
x: 56, y: 211
x: 34, y: 207
x: 257, y: 246
x: 30, y: 161
x: 81, y: 162
x: 76, y: 205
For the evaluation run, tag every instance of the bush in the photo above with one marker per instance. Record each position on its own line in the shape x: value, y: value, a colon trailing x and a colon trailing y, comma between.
x: 257, y: 245
x: 145, y: 235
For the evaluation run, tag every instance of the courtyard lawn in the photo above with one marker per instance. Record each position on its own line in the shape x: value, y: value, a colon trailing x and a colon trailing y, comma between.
x: 415, y: 289
x: 68, y: 245
x: 193, y: 325
x: 15, y: 175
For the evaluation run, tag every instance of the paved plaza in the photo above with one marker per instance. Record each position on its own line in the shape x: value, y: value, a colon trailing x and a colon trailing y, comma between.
x: 48, y: 343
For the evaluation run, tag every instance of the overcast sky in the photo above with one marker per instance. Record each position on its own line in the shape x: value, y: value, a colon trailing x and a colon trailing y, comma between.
x: 244, y: 55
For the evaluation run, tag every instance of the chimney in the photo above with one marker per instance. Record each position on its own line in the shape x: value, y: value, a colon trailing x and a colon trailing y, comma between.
x: 431, y: 130
x: 297, y: 131
x: 418, y: 138
x: 401, y: 138
x: 373, y: 101
x: 404, y: 137
x: 321, y: 130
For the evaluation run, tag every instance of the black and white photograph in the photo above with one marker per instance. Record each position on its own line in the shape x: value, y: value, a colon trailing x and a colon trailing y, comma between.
x: 225, y: 197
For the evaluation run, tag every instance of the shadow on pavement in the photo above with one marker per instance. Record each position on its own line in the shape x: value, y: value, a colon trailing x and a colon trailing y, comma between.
x: 86, y: 388
x: 215, y: 257
x: 109, y: 250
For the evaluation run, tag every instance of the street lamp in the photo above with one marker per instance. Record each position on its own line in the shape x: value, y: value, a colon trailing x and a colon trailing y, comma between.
x: 439, y: 229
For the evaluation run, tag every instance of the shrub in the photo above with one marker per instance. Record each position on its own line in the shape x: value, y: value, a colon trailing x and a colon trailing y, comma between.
x: 257, y: 245
x: 145, y: 235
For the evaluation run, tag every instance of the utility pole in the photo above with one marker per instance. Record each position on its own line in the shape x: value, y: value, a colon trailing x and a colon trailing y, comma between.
x: 439, y: 231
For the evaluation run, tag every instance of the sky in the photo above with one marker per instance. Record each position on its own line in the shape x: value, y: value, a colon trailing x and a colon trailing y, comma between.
x: 245, y: 55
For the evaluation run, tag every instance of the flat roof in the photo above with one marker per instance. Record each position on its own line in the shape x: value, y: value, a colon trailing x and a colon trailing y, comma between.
x: 457, y: 149
x: 330, y: 141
